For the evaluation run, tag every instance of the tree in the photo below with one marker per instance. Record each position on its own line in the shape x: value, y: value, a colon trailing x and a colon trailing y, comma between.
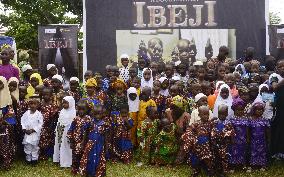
x: 274, y: 18
x: 25, y: 17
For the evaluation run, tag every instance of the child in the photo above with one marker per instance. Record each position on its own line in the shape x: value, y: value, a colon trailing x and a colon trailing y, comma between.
x: 13, y: 85
x: 133, y: 103
x: 57, y: 96
x: 145, y: 101
x: 77, y: 132
x: 132, y: 75
x: 31, y: 123
x: 141, y: 65
x: 118, y: 98
x: 124, y: 70
x: 165, y: 145
x: 181, y: 70
x: 224, y: 97
x: 230, y: 80
x: 259, y: 136
x: 93, y: 162
x: 147, y: 79
x: 221, y: 138
x: 51, y: 71
x: 196, y: 143
x: 201, y: 73
x: 146, y: 134
x: 35, y: 80
x: 200, y: 100
x: 221, y: 71
x: 7, y: 122
x: 62, y: 150
x: 122, y: 136
x: 159, y: 99
x: 240, y: 123
x: 164, y: 85
x: 74, y: 89
x: 136, y: 83
x: 92, y: 94
x: 169, y: 71
x: 50, y: 115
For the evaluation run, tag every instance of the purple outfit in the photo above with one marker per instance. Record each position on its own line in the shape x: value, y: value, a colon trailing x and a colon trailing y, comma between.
x: 258, y: 145
x: 9, y: 71
x: 239, y: 147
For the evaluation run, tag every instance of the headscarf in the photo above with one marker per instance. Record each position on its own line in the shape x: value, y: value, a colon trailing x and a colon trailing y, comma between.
x: 254, y: 104
x: 133, y: 105
x: 58, y: 77
x: 26, y: 67
x: 30, y: 89
x: 91, y: 82
x: 259, y: 96
x: 162, y: 79
x: 66, y: 116
x: 216, y: 92
x: 16, y: 92
x: 219, y: 101
x: 166, y: 91
x: 49, y: 66
x: 145, y: 83
x: 5, y: 98
x: 198, y: 97
x: 75, y: 79
x: 236, y: 102
x: 175, y: 78
x: 275, y: 75
x: 117, y: 83
x: 124, y: 56
x: 242, y: 68
x: 179, y: 102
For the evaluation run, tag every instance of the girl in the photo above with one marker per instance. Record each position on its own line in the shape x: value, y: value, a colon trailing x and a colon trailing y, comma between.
x: 133, y: 103
x: 165, y: 145
x: 50, y: 115
x: 119, y: 97
x: 159, y: 99
x: 74, y: 89
x: 240, y: 123
x: 132, y: 75
x: 241, y: 69
x: 31, y: 123
x: 146, y: 134
x: 259, y: 136
x: 13, y: 85
x: 92, y: 93
x: 35, y: 80
x: 222, y: 135
x: 77, y: 132
x: 230, y: 80
x: 200, y: 100
x: 145, y: 101
x: 93, y: 162
x: 56, y: 83
x: 164, y: 84
x: 221, y: 71
x: 62, y: 150
x: 7, y: 121
x: 147, y: 79
x: 27, y: 71
x: 51, y: 71
x: 224, y: 97
x: 136, y: 83
x: 122, y: 136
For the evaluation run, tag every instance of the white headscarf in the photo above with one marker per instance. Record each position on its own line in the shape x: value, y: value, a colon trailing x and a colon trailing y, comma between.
x: 198, y: 97
x: 50, y: 66
x: 275, y: 75
x: 59, y: 77
x: 259, y: 96
x: 145, y: 83
x: 243, y: 69
x: 75, y: 79
x: 133, y: 105
x: 5, y: 97
x: 26, y: 67
x: 124, y: 56
x: 16, y: 92
x: 175, y: 78
x: 164, y: 92
x: 219, y: 101
x: 66, y: 116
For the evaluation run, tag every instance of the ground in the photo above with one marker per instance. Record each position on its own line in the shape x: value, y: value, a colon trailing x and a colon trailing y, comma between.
x: 48, y: 169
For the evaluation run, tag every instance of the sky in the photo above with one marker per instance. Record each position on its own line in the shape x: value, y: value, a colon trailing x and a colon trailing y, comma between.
x: 277, y: 6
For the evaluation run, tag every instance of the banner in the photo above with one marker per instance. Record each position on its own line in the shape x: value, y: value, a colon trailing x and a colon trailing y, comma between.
x: 166, y: 30
x: 58, y: 45
x: 276, y: 41
x: 6, y: 41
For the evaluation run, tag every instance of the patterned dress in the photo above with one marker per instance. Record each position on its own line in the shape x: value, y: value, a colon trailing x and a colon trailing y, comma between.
x: 196, y: 145
x: 93, y: 162
x: 76, y: 95
x: 258, y: 142
x: 7, y: 143
x: 47, y: 82
x: 22, y: 107
x: 123, y: 147
x: 77, y: 137
x: 221, y: 137
x: 165, y: 147
x: 146, y: 135
x: 238, y: 149
x: 47, y: 135
x: 115, y: 102
x: 57, y: 98
x: 160, y: 102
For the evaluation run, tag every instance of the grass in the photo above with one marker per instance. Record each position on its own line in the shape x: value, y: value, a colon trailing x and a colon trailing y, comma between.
x: 49, y: 169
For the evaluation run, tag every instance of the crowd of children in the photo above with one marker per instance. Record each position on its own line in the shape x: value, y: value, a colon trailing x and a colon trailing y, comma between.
x: 215, y: 115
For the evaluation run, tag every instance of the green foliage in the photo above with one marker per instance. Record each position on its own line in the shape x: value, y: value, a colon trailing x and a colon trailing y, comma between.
x: 274, y: 18
x: 26, y: 15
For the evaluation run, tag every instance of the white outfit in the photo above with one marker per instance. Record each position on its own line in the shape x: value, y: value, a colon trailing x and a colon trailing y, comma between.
x: 124, y: 73
x: 219, y: 101
x: 133, y: 105
x: 32, y: 121
x: 62, y: 151
x: 194, y: 117
x: 145, y: 83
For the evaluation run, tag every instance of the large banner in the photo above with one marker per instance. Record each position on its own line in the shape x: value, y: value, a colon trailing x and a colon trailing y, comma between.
x: 58, y: 45
x: 166, y: 30
x: 276, y: 41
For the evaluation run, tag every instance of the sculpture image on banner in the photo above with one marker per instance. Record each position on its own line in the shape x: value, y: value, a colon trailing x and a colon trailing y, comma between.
x: 58, y: 45
x: 174, y: 44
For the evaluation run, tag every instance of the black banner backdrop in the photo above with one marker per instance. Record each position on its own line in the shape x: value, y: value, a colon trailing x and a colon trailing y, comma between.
x: 58, y: 45
x: 103, y: 18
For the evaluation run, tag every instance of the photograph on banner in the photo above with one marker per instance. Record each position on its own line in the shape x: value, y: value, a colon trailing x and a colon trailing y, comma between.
x: 58, y: 45
x: 276, y: 41
x: 174, y: 44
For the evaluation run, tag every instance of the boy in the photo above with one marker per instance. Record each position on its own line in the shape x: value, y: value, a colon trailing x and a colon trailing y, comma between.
x: 124, y: 70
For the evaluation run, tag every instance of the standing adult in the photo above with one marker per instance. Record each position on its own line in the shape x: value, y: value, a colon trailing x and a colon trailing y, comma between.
x: 7, y: 70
